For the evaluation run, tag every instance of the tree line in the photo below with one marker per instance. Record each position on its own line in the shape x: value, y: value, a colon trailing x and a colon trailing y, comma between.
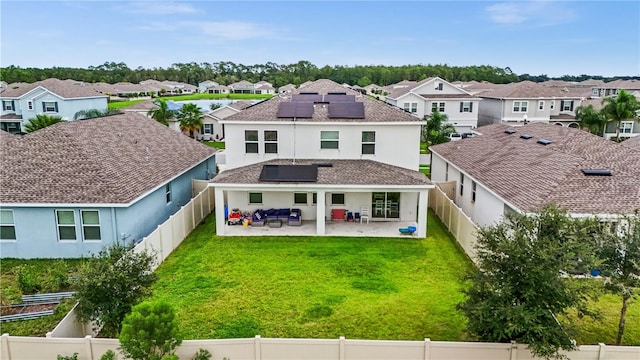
x: 226, y: 72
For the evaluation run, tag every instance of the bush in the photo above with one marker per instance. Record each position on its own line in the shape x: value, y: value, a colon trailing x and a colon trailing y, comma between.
x: 109, y: 355
x: 202, y: 354
x: 71, y: 357
x: 28, y: 280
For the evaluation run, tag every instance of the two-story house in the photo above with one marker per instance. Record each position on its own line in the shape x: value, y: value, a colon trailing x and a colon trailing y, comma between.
x: 431, y: 94
x: 74, y: 187
x: 323, y: 148
x: 64, y: 98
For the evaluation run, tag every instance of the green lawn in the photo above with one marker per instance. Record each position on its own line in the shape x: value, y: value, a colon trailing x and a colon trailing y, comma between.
x: 316, y: 287
x: 215, y: 144
x: 122, y: 104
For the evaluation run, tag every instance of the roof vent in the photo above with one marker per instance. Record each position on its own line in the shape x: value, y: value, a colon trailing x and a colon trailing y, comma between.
x: 510, y: 131
x: 526, y: 136
x: 323, y: 164
x: 544, y: 141
x: 596, y: 172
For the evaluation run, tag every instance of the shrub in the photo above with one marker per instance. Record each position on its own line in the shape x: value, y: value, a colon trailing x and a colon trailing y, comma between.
x: 109, y: 355
x: 28, y: 280
x: 202, y: 354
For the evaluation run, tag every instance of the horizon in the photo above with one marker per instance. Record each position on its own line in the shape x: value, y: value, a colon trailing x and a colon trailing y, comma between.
x: 549, y: 38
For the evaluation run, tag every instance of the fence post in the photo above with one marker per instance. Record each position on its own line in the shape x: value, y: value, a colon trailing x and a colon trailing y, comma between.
x: 602, y: 351
x: 341, y: 345
x: 514, y: 350
x: 257, y: 348
x: 427, y: 349
x: 4, y: 346
x: 87, y: 347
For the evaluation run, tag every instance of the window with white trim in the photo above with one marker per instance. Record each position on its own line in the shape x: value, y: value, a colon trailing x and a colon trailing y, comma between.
x: 337, y: 199
x: 207, y: 129
x: 540, y: 105
x: 466, y: 106
x: 552, y: 106
x: 473, y: 191
x: 7, y: 225
x: 410, y: 107
x: 439, y: 86
x: 270, y: 142
x: 626, y: 127
x: 368, y: 142
x: 30, y: 104
x: 66, y: 223
x: 167, y: 192
x: 329, y: 139
x: 251, y: 141
x: 7, y: 105
x: 90, y: 225
x: 50, y: 106
x: 520, y: 106
x: 300, y: 198
x: 566, y: 105
x: 255, y: 198
x: 461, y: 184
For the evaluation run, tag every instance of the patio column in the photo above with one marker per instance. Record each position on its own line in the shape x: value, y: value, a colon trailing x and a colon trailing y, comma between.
x: 220, y: 220
x: 423, y: 204
x: 320, y: 210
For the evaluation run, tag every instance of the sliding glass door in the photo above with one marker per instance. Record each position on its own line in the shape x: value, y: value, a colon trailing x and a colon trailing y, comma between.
x: 385, y: 205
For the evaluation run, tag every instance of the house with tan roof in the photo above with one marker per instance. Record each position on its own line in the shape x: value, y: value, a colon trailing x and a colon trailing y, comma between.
x: 286, y: 89
x: 211, y: 127
x: 435, y: 94
x: 90, y: 183
x: 64, y: 98
x: 327, y: 151
x: 521, y: 169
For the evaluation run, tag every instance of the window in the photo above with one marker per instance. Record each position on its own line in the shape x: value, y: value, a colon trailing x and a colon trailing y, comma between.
x: 251, y: 141
x: 270, y: 142
x: 167, y: 191
x: 90, y: 224
x: 520, y: 106
x: 368, y: 142
x: 466, y: 106
x: 314, y: 198
x: 411, y: 107
x: 461, y: 184
x: 441, y: 107
x: 540, y: 105
x: 50, y: 106
x: 207, y: 129
x: 626, y: 127
x: 329, y: 139
x: 439, y: 86
x: 255, y: 198
x: 446, y: 172
x: 566, y: 105
x: 552, y: 106
x: 30, y: 105
x: 7, y: 105
x: 300, y: 198
x: 473, y: 191
x: 7, y: 225
x: 434, y: 106
x: 594, y: 92
x: 66, y: 221
x: 337, y: 199
x: 11, y: 127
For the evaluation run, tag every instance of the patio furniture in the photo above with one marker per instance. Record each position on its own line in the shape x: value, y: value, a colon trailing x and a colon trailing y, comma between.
x: 349, y: 216
x: 338, y: 214
x: 295, y: 217
x: 258, y: 218
x: 409, y: 230
x: 274, y: 223
x: 364, y: 213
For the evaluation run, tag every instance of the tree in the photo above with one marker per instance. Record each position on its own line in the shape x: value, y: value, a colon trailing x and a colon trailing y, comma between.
x: 150, y: 331
x: 214, y: 106
x: 619, y: 251
x: 591, y: 119
x: 162, y: 114
x: 110, y: 284
x: 94, y: 113
x: 518, y: 290
x: 41, y: 121
x: 623, y: 106
x: 437, y: 129
x: 190, y: 117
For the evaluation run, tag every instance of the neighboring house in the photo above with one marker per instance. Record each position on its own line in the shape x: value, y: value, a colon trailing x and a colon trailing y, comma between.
x: 220, y: 89
x: 72, y: 188
x: 242, y: 87
x: 204, y: 86
x: 263, y: 87
x: 286, y: 89
x: 426, y: 96
x: 344, y: 151
x: 64, y: 98
x: 521, y: 169
x: 211, y: 127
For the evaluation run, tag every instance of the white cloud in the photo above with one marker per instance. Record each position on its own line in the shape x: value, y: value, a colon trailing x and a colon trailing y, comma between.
x: 157, y: 8
x: 533, y: 13
x: 215, y: 31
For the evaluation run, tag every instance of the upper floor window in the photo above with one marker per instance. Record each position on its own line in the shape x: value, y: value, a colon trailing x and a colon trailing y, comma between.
x: 411, y: 107
x: 439, y: 86
x: 167, y: 192
x: 368, y: 142
x: 50, y: 106
x: 595, y: 92
x: 552, y: 105
x: 466, y: 106
x: 626, y: 127
x: 437, y: 106
x: 473, y: 191
x: 446, y: 172
x: 329, y: 139
x: 66, y: 222
x: 566, y: 105
x: 7, y: 225
x: 30, y: 104
x: 90, y: 224
x: 270, y: 142
x: 7, y: 105
x: 541, y: 105
x: 520, y: 106
x: 251, y: 141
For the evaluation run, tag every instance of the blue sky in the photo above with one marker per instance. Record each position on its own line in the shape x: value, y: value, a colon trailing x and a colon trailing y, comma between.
x: 534, y: 37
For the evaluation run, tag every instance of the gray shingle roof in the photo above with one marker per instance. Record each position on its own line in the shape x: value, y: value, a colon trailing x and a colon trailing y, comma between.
x: 632, y: 143
x: 529, y: 89
x: 65, y: 88
x: 530, y: 175
x: 113, y: 159
x: 375, y: 111
x: 342, y: 172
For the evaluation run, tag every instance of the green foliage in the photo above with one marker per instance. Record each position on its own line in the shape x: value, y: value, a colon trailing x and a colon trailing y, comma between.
x: 70, y: 357
x: 162, y: 114
x: 94, y: 113
x: 214, y: 106
x: 109, y: 355
x: 190, y: 117
x: 54, y: 278
x: 202, y: 354
x: 150, y: 331
x: 437, y: 129
x: 215, y: 144
x: 591, y: 119
x: 518, y: 290
x: 623, y: 106
x: 107, y: 287
x: 41, y: 121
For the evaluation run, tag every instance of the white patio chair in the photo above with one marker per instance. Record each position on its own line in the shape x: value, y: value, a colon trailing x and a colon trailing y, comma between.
x: 364, y: 213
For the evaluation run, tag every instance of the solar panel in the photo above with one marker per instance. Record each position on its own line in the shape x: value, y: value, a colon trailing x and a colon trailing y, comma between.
x: 306, y: 98
x: 510, y: 131
x: 353, y: 110
x: 295, y: 110
x: 596, y: 172
x: 526, y: 136
x: 289, y: 173
x: 333, y: 98
x: 544, y: 141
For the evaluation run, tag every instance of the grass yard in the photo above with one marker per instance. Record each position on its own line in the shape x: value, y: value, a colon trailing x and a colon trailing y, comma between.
x: 122, y: 104
x: 206, y: 96
x: 215, y: 144
x: 316, y: 287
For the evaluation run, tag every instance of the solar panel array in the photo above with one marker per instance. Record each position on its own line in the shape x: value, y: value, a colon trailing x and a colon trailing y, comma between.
x: 289, y: 173
x: 341, y: 105
x: 354, y: 110
x: 312, y: 98
x: 295, y: 110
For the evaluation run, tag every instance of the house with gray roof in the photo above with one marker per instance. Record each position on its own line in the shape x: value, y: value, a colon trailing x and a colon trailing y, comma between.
x: 211, y: 127
x: 90, y: 183
x: 521, y: 169
x: 322, y: 149
x: 63, y: 98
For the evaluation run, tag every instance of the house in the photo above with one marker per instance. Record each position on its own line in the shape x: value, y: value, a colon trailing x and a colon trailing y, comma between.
x: 204, y: 86
x: 628, y: 128
x: 63, y: 98
x: 242, y: 87
x: 323, y: 149
x: 521, y: 169
x: 263, y: 87
x: 286, y: 89
x: 431, y: 94
x: 211, y: 127
x: 71, y: 188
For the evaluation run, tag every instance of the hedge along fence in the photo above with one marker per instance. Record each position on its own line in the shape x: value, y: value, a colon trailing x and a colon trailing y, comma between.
x: 88, y: 348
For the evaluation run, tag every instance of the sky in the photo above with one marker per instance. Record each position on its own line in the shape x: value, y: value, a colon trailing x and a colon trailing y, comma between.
x: 552, y: 38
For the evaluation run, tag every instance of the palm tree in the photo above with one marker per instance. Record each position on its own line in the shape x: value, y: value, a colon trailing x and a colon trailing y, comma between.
x: 437, y: 129
x: 41, y: 121
x: 214, y: 106
x: 162, y: 114
x: 94, y: 113
x: 623, y: 106
x: 190, y: 117
x: 591, y: 119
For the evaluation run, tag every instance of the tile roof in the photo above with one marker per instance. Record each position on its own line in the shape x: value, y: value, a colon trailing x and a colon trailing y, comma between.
x: 530, y: 175
x: 65, y: 88
x: 113, y: 159
x: 375, y: 111
x: 342, y: 172
x: 529, y: 89
x: 10, y: 117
